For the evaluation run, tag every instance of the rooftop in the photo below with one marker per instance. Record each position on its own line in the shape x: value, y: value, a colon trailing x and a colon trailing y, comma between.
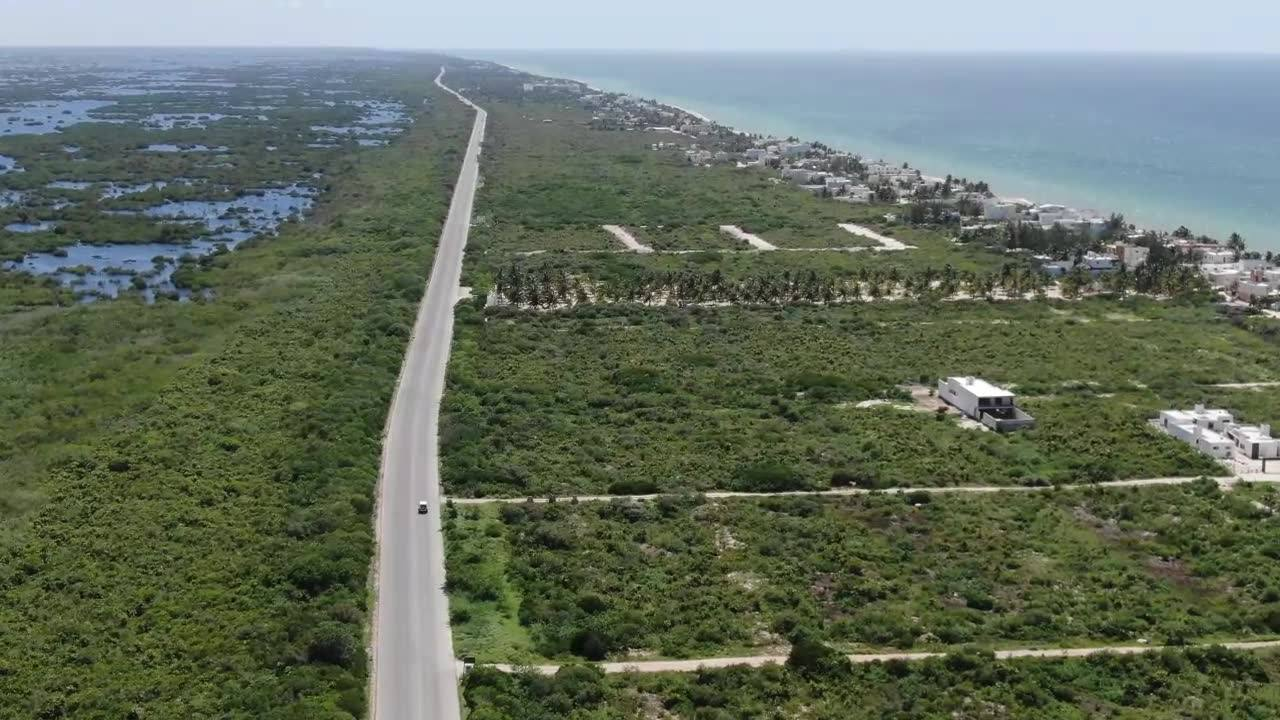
x: 980, y: 387
x: 1254, y: 433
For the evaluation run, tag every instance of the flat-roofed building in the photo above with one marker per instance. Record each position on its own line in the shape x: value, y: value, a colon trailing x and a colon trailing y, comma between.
x: 993, y: 406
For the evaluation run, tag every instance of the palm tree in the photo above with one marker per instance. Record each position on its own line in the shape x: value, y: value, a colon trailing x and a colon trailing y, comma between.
x: 1236, y: 245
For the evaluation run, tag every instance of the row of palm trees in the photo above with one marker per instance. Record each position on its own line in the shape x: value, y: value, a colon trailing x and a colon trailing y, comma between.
x: 549, y: 287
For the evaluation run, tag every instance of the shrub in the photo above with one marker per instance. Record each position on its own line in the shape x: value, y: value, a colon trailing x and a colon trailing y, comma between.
x: 812, y: 658
x: 590, y: 645
x: 768, y: 478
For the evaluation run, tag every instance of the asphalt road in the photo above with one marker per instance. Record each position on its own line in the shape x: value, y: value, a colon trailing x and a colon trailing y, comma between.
x: 415, y: 675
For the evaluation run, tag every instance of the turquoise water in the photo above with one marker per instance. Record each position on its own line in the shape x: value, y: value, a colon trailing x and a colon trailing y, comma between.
x: 1165, y: 140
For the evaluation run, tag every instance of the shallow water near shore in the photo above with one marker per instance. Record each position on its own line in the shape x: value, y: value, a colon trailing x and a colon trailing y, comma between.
x: 1166, y: 140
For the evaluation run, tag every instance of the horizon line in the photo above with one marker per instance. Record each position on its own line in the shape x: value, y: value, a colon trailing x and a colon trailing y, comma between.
x: 672, y: 51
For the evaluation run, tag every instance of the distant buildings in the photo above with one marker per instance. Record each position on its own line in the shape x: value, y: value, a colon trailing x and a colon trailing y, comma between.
x: 1093, y: 263
x: 857, y: 194
x: 795, y: 150
x: 997, y: 210
x: 1247, y: 280
x: 992, y: 406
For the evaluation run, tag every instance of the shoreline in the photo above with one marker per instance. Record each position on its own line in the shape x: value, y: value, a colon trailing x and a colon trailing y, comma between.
x: 540, y: 72
x: 1261, y: 238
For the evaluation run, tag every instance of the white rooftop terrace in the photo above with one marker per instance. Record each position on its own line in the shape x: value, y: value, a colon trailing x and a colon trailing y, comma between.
x: 980, y: 387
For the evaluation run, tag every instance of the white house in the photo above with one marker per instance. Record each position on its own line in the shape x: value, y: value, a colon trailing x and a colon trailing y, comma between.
x: 1222, y: 276
x: 1254, y: 441
x: 1207, y: 418
x: 993, y: 406
x: 1247, y: 290
x: 800, y: 176
x: 857, y: 194
x: 1203, y: 428
x: 1217, y: 257
x: 998, y: 210
x: 836, y: 184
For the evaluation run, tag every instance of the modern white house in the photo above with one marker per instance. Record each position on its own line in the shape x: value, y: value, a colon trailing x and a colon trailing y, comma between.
x: 1202, y: 428
x: 998, y: 210
x: 992, y: 406
x: 1254, y: 441
x: 1215, y: 432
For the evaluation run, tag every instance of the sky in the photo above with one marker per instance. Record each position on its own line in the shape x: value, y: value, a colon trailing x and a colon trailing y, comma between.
x: 1243, y: 26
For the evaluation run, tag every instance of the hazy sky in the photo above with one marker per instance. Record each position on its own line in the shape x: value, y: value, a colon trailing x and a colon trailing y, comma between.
x: 982, y: 25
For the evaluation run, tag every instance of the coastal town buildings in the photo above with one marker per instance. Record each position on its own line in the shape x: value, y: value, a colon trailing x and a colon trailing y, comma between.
x: 982, y: 216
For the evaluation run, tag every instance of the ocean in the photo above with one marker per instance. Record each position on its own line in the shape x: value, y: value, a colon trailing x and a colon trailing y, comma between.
x: 1166, y: 140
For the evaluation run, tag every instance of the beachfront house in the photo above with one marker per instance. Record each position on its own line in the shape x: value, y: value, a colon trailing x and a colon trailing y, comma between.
x: 997, y: 210
x: 990, y: 405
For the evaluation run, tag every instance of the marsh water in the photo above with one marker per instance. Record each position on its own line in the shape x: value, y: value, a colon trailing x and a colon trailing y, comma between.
x: 204, y: 164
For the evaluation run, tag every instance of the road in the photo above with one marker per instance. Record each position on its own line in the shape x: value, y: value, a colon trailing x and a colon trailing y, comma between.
x: 1224, y: 482
x: 414, y: 675
x: 653, y: 666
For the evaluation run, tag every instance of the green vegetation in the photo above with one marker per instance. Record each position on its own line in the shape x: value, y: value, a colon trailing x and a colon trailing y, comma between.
x: 188, y: 486
x: 1211, y: 683
x: 587, y: 400
x: 550, y: 186
x: 650, y: 385
x: 689, y: 577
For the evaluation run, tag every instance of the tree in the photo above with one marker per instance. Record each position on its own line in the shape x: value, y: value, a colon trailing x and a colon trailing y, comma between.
x: 1236, y: 245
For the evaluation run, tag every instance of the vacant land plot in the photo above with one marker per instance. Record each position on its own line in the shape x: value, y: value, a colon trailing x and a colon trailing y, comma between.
x: 1162, y: 686
x: 611, y: 398
x: 686, y: 238
x: 689, y: 577
x: 494, y: 237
